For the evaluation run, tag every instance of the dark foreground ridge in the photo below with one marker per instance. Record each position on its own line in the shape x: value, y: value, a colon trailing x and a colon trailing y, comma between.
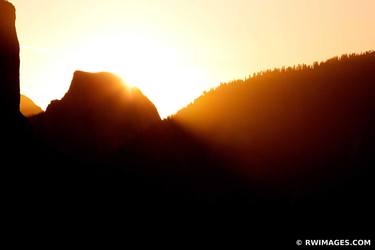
x: 289, y: 147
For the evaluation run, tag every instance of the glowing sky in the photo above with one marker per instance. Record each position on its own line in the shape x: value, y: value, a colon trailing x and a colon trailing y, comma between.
x: 173, y: 50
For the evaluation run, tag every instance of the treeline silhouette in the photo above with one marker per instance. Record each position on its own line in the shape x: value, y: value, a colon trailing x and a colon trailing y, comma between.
x: 282, y: 145
x: 304, y: 133
x: 296, y: 116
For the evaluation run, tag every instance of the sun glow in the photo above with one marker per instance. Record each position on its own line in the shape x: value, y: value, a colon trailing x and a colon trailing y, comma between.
x: 160, y: 72
x: 175, y: 50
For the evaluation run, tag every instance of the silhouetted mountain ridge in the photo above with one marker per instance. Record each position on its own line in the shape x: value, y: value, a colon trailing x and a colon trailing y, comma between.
x: 293, y: 122
x: 294, y: 145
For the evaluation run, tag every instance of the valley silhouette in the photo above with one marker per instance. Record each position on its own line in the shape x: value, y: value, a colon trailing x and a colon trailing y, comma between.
x: 284, y: 144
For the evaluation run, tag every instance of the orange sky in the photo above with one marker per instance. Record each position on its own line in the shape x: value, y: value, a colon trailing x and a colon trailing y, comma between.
x: 173, y: 50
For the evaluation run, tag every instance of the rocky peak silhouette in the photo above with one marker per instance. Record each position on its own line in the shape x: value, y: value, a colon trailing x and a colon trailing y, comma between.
x: 97, y: 114
x: 15, y: 133
x: 9, y: 60
x: 13, y: 126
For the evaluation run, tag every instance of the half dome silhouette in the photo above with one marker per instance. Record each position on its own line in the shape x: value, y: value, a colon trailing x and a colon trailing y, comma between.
x: 97, y: 114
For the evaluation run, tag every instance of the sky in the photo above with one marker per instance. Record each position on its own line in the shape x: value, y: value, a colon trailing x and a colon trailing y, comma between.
x: 173, y: 50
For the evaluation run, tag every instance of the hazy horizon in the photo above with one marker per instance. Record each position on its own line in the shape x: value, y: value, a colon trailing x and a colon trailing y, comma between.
x: 174, y: 50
